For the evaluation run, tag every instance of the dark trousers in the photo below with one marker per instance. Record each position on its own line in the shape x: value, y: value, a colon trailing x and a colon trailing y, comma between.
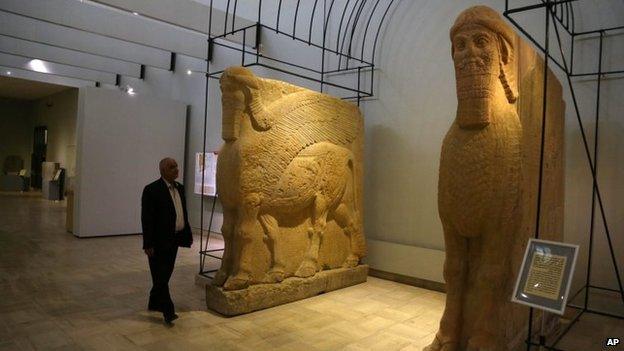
x: 161, y: 266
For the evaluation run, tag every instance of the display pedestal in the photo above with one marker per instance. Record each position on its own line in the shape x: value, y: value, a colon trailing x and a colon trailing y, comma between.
x: 261, y: 296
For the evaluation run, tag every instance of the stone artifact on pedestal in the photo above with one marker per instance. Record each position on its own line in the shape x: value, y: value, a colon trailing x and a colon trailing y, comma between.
x: 289, y: 177
x: 488, y: 182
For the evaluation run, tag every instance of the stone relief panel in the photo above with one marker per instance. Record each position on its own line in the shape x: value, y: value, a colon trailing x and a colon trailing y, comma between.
x: 289, y: 177
x: 487, y: 190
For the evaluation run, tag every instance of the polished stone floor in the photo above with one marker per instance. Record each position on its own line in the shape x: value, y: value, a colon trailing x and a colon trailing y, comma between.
x: 58, y: 292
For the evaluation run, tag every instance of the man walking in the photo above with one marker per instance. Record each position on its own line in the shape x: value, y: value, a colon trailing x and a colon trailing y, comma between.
x: 165, y: 227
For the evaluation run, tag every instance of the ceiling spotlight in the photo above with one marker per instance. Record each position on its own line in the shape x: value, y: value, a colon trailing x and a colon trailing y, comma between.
x: 8, y: 73
x: 135, y: 13
x: 130, y: 91
x: 38, y: 66
x: 189, y: 72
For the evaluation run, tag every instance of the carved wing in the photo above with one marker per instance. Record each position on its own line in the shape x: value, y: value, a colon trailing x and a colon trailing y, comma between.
x: 302, y: 119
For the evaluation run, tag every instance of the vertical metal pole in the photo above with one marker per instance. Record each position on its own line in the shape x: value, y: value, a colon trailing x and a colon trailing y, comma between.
x: 244, y: 43
x: 595, y: 174
x: 323, y: 49
x: 358, y: 85
x: 201, y: 208
x: 542, y: 141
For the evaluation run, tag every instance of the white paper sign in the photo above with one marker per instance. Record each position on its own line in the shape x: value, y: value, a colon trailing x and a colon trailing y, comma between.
x: 206, y: 165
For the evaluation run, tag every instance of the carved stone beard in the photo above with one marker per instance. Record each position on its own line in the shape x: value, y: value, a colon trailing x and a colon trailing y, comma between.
x: 475, y: 94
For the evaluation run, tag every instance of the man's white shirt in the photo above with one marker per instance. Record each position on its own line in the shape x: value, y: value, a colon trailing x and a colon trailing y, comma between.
x: 177, y: 203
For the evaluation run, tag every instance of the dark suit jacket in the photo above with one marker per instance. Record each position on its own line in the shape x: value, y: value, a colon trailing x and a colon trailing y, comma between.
x: 158, y: 217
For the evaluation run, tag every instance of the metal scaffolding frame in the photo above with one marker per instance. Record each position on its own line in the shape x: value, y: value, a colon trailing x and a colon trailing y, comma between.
x: 352, y: 54
x: 560, y: 14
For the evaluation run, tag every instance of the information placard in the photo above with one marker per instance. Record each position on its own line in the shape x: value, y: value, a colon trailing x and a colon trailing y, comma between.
x: 545, y: 275
x: 209, y: 162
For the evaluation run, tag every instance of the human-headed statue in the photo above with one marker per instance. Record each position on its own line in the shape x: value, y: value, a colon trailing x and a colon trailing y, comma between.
x: 479, y: 184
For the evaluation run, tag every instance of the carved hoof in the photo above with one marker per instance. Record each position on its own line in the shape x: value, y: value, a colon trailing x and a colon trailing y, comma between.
x: 484, y: 342
x: 438, y: 345
x: 220, y: 278
x: 275, y: 275
x: 236, y: 282
x: 351, y: 261
x: 307, y: 269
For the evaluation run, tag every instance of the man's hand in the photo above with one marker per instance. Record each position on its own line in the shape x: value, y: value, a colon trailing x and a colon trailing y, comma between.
x: 149, y: 251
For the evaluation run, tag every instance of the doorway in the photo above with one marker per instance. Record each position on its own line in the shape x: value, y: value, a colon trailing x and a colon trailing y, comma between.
x: 40, y: 147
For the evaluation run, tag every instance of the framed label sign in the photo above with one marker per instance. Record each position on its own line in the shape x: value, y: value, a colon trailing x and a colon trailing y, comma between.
x: 206, y: 165
x: 546, y: 275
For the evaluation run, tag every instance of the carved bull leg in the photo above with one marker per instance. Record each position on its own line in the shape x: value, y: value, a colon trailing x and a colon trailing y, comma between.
x: 490, y: 281
x: 244, y: 232
x: 309, y: 266
x: 455, y: 273
x: 346, y: 219
x: 271, y: 228
x: 227, y: 230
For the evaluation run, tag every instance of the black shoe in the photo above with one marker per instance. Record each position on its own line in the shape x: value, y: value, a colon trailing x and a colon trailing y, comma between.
x: 170, y: 318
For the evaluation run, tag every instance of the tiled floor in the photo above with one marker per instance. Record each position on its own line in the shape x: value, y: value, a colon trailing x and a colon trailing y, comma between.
x: 63, y: 293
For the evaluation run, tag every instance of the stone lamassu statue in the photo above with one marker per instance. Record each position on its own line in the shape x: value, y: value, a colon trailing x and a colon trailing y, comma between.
x: 289, y: 153
x: 480, y: 184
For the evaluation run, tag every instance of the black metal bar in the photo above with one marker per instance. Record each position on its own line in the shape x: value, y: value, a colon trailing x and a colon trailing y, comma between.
x: 597, y: 73
x: 538, y: 45
x: 542, y: 142
x: 306, y: 77
x: 349, y: 69
x: 603, y: 288
x: 379, y: 30
x: 592, y: 167
x: 225, y: 35
x: 599, y: 30
x: 227, y: 11
x: 279, y: 11
x: 354, y: 26
x: 117, y: 80
x: 259, y: 11
x: 59, y: 62
x: 214, y: 202
x: 207, y: 85
x: 142, y: 75
x: 593, y: 202
x: 537, y: 6
x: 258, y: 38
x: 312, y: 22
x: 326, y: 17
x: 97, y: 84
x: 344, y: 12
x: 234, y: 14
x: 344, y: 35
x: 359, y: 71
x: 601, y: 313
x: 269, y: 58
x: 573, y: 296
x: 366, y: 28
x: 243, y: 54
x: 318, y: 46
x: 172, y: 62
x: 295, y: 20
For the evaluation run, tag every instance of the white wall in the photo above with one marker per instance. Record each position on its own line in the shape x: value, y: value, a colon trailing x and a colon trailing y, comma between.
x: 121, y: 139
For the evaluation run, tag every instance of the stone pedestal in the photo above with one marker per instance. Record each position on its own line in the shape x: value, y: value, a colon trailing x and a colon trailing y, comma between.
x: 261, y: 296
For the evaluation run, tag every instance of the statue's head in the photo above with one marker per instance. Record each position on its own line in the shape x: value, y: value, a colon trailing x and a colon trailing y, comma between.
x: 235, y: 83
x: 246, y: 95
x: 482, y: 50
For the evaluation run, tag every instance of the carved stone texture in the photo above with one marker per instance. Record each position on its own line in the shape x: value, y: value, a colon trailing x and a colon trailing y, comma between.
x: 261, y: 296
x: 488, y: 181
x: 289, y: 177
